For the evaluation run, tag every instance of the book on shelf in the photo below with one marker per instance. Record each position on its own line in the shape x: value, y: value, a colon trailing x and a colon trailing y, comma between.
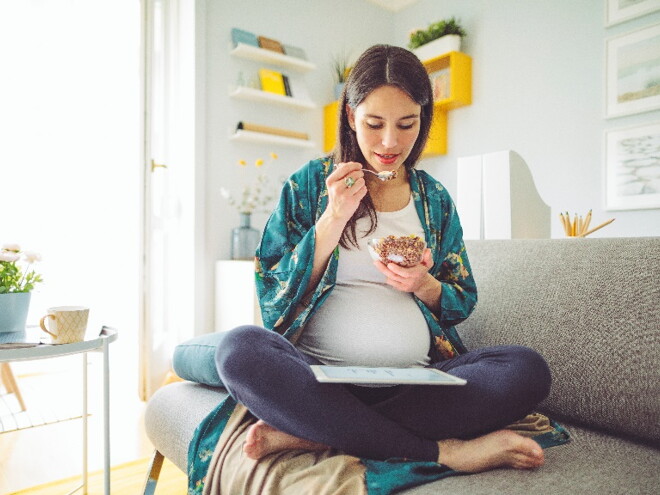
x: 270, y: 44
x: 440, y: 84
x: 294, y: 51
x: 272, y: 81
x: 287, y: 85
x: 276, y: 131
x: 245, y: 37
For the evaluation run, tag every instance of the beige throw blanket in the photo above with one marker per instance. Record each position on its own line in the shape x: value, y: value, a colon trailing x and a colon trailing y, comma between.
x: 293, y: 472
x: 290, y: 472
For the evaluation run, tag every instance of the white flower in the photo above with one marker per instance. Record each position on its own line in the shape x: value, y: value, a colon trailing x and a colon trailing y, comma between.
x: 9, y: 256
x: 13, y: 277
x: 31, y: 256
x: 11, y: 247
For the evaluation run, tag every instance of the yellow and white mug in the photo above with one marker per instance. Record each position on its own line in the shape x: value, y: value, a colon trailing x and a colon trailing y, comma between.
x: 67, y: 324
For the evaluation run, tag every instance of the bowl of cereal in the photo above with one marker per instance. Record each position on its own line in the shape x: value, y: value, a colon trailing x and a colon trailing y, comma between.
x: 405, y: 250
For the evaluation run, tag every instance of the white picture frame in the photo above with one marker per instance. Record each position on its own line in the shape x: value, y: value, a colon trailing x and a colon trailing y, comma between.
x: 633, y: 72
x: 632, y: 167
x: 617, y: 11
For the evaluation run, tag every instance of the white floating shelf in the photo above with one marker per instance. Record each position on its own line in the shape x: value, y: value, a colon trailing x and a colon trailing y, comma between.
x: 262, y: 137
x: 269, y: 56
x: 245, y: 93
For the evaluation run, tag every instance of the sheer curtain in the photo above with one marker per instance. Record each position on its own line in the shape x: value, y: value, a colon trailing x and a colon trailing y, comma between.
x: 69, y: 154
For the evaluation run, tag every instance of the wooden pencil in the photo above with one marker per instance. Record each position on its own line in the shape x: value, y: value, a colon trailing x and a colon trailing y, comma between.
x: 574, y: 231
x: 597, y: 227
x: 587, y: 221
x: 564, y: 223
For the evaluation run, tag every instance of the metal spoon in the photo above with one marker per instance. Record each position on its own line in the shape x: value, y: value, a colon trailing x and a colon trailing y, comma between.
x: 385, y: 175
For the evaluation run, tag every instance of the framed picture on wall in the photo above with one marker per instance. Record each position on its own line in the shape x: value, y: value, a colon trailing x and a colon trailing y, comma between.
x: 633, y: 72
x: 617, y: 11
x: 632, y: 172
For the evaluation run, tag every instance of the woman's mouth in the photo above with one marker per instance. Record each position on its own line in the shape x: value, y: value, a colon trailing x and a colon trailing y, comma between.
x: 386, y: 159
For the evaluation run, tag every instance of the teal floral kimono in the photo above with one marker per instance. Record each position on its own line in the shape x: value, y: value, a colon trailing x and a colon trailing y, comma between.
x: 285, y: 257
x: 283, y: 268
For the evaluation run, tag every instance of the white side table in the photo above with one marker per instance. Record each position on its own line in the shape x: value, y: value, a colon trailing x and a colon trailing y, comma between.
x: 236, y: 300
x: 100, y: 343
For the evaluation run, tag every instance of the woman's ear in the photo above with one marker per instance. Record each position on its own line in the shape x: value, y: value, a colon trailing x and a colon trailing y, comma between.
x: 351, y: 116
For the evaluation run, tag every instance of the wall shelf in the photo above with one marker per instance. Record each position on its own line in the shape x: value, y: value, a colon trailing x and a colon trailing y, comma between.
x: 460, y: 79
x: 251, y: 94
x: 269, y: 56
x: 263, y: 138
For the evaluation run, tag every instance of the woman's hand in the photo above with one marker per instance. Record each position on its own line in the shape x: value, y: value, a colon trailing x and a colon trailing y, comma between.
x: 415, y: 279
x: 346, y: 188
x: 407, y: 279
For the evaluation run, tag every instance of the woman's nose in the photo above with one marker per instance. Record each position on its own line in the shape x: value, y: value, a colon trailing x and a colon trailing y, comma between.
x: 389, y: 137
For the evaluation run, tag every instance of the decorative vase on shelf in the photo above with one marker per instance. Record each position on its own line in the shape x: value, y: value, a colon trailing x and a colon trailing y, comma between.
x: 339, y: 88
x: 244, y: 239
x: 13, y: 311
x: 437, y: 47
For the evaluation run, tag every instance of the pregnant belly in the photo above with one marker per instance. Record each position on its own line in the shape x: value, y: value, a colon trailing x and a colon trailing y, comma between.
x: 367, y: 325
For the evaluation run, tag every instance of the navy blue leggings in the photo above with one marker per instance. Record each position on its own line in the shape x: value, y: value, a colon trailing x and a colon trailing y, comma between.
x: 269, y: 376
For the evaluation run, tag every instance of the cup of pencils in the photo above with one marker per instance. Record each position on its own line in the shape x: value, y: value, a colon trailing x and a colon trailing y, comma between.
x: 579, y: 227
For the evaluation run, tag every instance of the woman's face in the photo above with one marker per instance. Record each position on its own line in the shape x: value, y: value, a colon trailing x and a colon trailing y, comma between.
x: 386, y: 124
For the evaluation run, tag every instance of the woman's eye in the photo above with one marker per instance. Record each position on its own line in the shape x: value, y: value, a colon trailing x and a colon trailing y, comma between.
x: 405, y: 127
x: 374, y: 126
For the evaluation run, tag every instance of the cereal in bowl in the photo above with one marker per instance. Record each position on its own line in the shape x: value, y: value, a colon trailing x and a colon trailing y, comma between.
x: 403, y: 250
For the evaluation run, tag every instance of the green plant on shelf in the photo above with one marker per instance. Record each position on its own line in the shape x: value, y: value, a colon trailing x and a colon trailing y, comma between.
x: 444, y: 27
x: 341, y: 68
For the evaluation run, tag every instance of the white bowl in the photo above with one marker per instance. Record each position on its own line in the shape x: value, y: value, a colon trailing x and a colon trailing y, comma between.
x: 405, y: 250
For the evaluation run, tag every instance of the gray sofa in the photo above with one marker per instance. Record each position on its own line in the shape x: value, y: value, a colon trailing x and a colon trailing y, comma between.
x: 592, y: 308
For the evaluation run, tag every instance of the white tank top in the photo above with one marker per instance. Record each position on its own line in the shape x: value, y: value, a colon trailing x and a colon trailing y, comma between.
x: 364, y: 321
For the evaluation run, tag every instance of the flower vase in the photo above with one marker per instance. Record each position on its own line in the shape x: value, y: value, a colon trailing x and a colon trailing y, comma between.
x: 339, y: 88
x: 13, y: 311
x: 244, y: 239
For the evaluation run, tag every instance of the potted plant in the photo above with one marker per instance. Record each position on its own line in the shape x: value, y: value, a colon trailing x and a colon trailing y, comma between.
x: 340, y: 69
x: 16, y: 284
x: 440, y: 37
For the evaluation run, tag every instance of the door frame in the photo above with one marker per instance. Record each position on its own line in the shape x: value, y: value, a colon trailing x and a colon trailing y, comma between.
x: 193, y: 14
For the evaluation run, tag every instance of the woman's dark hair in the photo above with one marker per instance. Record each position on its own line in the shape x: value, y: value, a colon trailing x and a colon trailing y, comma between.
x: 380, y: 65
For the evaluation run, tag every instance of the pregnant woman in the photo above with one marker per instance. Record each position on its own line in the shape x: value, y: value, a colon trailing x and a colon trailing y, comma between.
x: 325, y: 301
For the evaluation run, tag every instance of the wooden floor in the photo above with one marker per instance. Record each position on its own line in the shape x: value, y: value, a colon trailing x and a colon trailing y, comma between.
x: 47, y: 453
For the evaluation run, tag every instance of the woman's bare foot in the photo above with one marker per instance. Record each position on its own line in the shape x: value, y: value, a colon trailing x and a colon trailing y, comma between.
x: 495, y: 450
x: 263, y: 439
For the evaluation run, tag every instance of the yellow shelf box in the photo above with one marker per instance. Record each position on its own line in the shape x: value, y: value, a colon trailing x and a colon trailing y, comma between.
x: 453, y: 71
x: 330, y: 126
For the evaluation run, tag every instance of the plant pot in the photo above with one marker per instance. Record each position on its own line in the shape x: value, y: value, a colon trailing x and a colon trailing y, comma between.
x: 13, y: 311
x: 339, y: 87
x: 244, y: 239
x: 440, y: 46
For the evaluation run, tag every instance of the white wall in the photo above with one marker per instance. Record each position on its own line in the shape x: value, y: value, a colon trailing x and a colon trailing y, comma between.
x: 538, y: 89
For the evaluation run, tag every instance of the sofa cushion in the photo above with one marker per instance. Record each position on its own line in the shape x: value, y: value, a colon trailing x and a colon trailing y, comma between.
x: 174, y: 412
x: 591, y: 308
x: 194, y: 359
